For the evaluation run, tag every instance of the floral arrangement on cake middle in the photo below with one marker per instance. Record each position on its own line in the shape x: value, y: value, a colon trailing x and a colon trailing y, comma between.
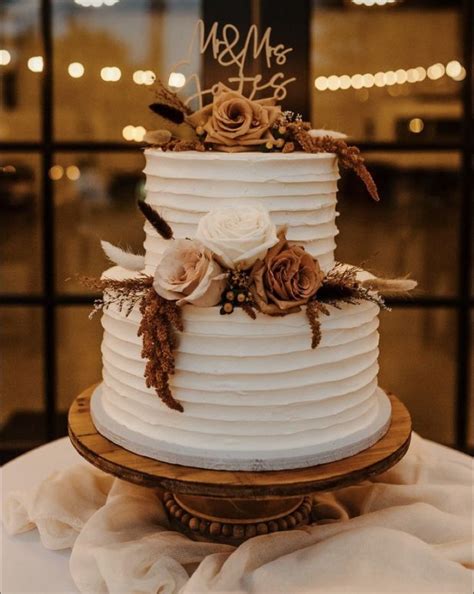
x: 237, y: 259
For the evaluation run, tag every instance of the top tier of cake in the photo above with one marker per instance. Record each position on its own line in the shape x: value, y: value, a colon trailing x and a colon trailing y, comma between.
x: 298, y: 189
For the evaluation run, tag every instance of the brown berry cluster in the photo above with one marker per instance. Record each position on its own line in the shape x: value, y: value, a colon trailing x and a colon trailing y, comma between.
x: 236, y: 293
x: 282, y: 139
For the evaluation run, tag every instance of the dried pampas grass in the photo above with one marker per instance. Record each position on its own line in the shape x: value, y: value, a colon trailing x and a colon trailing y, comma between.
x: 123, y: 258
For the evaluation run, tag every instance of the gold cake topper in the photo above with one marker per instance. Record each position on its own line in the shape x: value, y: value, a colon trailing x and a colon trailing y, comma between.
x: 229, y: 49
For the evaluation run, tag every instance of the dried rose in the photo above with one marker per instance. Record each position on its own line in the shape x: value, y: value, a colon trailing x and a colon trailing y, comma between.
x: 285, y: 279
x: 188, y: 273
x: 233, y: 123
x: 238, y: 236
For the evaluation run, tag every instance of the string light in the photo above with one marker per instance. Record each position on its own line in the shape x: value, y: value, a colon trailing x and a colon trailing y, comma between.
x: 368, y: 80
x: 73, y: 173
x: 379, y: 79
x: 412, y: 75
x: 402, y: 76
x: 390, y: 78
x: 321, y: 83
x: 435, y: 71
x: 75, y: 69
x: 461, y: 75
x: 144, y: 77
x: 56, y: 172
x: 453, y: 69
x: 95, y: 3
x: 135, y: 133
x: 373, y: 2
x: 345, y: 82
x: 110, y: 73
x: 177, y: 80
x: 36, y: 64
x: 421, y: 73
x: 333, y: 83
x: 416, y: 125
x: 357, y: 81
x: 5, y: 57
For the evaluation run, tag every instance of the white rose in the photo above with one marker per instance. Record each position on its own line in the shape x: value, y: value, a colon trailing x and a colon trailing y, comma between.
x: 188, y: 273
x: 238, y: 236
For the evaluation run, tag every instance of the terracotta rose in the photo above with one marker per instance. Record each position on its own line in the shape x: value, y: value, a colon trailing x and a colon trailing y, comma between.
x: 233, y: 123
x: 188, y: 273
x: 285, y: 279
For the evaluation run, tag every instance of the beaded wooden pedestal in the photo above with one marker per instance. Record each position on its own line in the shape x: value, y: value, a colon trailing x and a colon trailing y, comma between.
x: 232, y: 506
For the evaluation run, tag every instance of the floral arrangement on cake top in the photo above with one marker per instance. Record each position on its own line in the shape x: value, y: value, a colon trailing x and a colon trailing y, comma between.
x: 234, y: 123
x: 237, y: 259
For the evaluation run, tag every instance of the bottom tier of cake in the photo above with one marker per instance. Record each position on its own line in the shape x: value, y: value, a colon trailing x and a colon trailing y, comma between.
x: 328, y: 449
x: 255, y: 395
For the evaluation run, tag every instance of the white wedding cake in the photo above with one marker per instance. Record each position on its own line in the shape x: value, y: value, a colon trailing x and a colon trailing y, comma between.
x: 254, y: 394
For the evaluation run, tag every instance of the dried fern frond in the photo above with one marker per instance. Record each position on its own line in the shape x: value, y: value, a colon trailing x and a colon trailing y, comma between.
x: 124, y: 294
x: 155, y: 220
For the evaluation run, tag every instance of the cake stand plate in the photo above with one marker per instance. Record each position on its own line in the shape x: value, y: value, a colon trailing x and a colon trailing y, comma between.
x: 232, y: 506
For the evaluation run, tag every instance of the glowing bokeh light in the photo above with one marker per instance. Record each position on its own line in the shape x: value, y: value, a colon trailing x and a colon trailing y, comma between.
x: 56, y: 172
x: 435, y: 71
x: 73, y: 173
x: 5, y: 57
x: 76, y: 70
x: 95, y: 3
x: 110, y: 73
x: 357, y: 81
x: 36, y: 64
x: 416, y: 125
x: 177, y: 80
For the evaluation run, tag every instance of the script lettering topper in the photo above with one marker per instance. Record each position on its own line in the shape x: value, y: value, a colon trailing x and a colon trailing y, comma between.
x: 229, y: 50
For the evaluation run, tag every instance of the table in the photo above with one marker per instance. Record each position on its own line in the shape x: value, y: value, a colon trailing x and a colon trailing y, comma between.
x: 48, y: 571
x: 428, y: 545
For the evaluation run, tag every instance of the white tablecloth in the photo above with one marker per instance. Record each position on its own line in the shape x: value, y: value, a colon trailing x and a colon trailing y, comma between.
x: 407, y: 531
x: 26, y: 565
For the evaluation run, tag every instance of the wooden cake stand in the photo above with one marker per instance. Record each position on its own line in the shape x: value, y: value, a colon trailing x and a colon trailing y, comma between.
x: 232, y: 506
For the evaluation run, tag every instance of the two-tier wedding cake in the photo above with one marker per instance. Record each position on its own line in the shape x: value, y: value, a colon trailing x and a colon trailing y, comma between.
x: 237, y: 341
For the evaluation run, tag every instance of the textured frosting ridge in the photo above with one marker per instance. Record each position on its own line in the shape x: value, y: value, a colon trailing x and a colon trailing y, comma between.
x: 255, y: 395
x: 243, y: 383
x: 298, y: 189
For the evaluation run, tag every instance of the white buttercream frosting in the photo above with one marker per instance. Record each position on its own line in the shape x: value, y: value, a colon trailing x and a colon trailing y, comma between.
x: 298, y: 190
x: 255, y: 395
x: 247, y: 384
